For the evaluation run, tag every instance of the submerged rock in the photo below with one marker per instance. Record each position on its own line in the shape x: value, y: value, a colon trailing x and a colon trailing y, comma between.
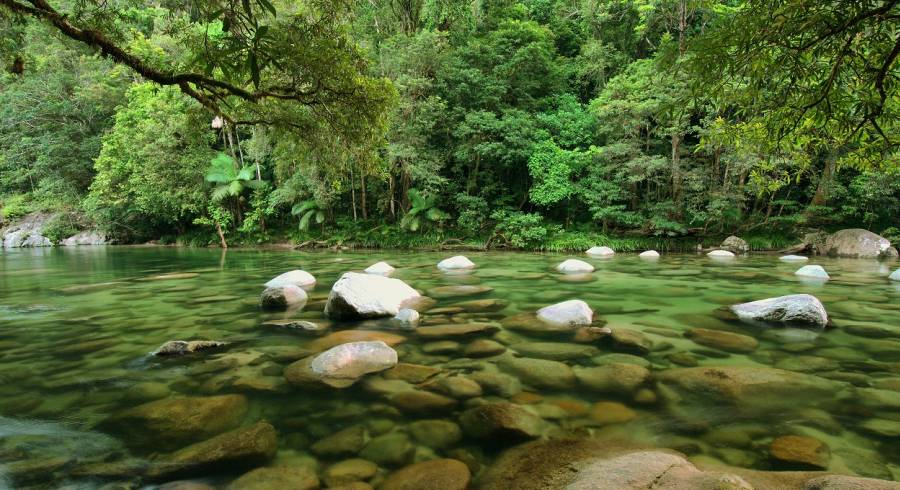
x: 567, y: 315
x: 435, y: 433
x: 436, y: 474
x: 554, y: 351
x: 795, y: 308
x: 812, y: 271
x: 457, y: 330
x: 344, y: 364
x: 456, y: 263
x: 181, y: 347
x: 614, y: 378
x: 299, y: 326
x: 793, y: 258
x: 501, y: 422
x: 392, y: 449
x: 800, y: 452
x: 299, y: 278
x: 458, y: 290
x: 277, y: 478
x: 349, y: 471
x: 348, y: 441
x: 356, y: 296
x: 240, y: 448
x: 380, y: 269
x: 600, y: 252
x: 858, y: 243
x: 649, y: 254
x: 608, y: 413
x: 735, y: 244
x: 282, y: 297
x: 421, y: 402
x: 720, y: 254
x: 484, y: 348
x: 574, y: 266
x: 346, y: 336
x: 720, y: 339
x: 540, y: 373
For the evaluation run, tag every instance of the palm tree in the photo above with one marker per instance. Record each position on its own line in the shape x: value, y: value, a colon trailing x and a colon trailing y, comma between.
x: 230, y: 182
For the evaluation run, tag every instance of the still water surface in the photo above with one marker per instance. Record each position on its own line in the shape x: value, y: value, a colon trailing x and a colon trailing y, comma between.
x: 77, y: 327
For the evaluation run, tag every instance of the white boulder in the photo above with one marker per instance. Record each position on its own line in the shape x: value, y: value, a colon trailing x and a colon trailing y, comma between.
x: 720, y: 254
x: 794, y: 308
x: 297, y: 277
x: 793, y: 258
x: 570, y: 314
x: 380, y: 269
x: 895, y: 276
x: 282, y: 297
x: 454, y: 263
x: 600, y: 252
x: 813, y: 271
x: 856, y: 242
x: 357, y: 295
x: 649, y: 254
x: 574, y: 266
x: 343, y: 364
x: 407, y: 318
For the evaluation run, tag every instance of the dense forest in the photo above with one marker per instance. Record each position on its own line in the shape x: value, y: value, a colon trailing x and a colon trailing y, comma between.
x: 529, y: 124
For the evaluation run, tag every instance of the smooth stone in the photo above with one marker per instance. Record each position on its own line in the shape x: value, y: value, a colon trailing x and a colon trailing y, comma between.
x: 735, y: 244
x: 407, y: 318
x: 807, y: 364
x: 392, y: 449
x: 358, y: 296
x: 344, y: 364
x: 435, y: 433
x: 801, y: 452
x: 720, y: 339
x: 412, y: 373
x: 554, y: 351
x: 456, y: 263
x: 606, y: 413
x: 240, y: 448
x: 436, y: 474
x: 588, y: 335
x: 380, y: 268
x: 458, y: 387
x: 441, y: 347
x: 813, y: 271
x: 459, y: 290
x: 147, y: 391
x: 620, y: 358
x: 649, y: 254
x: 878, y: 399
x: 482, y: 305
x: 349, y: 471
x: 540, y: 373
x: 793, y: 258
x: 181, y: 347
x: 795, y: 308
x: 620, y: 379
x: 299, y: 278
x: 574, y: 266
x: 629, y: 340
x: 277, y: 478
x: 421, y: 402
x: 498, y: 384
x: 457, y: 330
x: 501, y: 421
x: 600, y: 252
x: 282, y: 297
x: 882, y: 427
x: 846, y: 482
x: 347, y: 336
x: 857, y: 243
x: 683, y: 359
x: 345, y: 442
x: 895, y: 276
x: 720, y: 254
x: 566, y: 315
x: 484, y: 348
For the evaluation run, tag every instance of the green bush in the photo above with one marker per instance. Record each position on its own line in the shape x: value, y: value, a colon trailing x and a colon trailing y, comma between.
x: 15, y: 206
x: 521, y: 230
x: 61, y: 226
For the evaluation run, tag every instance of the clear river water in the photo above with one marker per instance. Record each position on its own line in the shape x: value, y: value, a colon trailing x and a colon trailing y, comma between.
x: 78, y: 326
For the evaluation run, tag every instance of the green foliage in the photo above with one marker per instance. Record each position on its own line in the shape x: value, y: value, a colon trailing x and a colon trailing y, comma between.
x: 61, y: 226
x: 14, y: 206
x: 423, y: 209
x: 307, y: 211
x: 521, y: 230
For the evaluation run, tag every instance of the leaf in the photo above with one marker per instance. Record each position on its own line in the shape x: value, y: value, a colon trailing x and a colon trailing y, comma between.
x: 246, y: 173
x: 268, y: 6
x: 320, y: 217
x: 235, y: 187
x: 260, y: 33
x: 415, y: 199
x: 414, y: 224
x: 303, y: 207
x: 219, y: 193
x: 435, y: 214
x: 304, y: 221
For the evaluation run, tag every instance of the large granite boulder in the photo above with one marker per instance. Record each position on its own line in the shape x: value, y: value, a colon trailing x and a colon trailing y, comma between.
x: 380, y: 269
x: 356, y: 296
x: 574, y: 266
x: 567, y: 315
x: 27, y: 232
x: 344, y: 364
x: 803, y: 309
x: 282, y: 297
x: 735, y: 244
x: 87, y: 237
x: 857, y: 243
x: 297, y: 277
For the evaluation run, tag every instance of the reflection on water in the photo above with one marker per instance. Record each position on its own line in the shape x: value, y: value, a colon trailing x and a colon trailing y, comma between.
x: 77, y: 327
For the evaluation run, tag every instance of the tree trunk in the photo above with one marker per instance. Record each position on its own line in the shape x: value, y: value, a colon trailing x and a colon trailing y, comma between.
x: 221, y: 235
x: 824, y: 187
x: 362, y: 196
x: 353, y: 192
x: 676, y: 169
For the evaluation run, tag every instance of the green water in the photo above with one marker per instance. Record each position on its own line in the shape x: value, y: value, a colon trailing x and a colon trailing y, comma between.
x: 77, y: 326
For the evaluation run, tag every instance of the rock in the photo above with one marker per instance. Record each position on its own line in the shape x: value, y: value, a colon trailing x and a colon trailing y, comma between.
x: 173, y: 422
x: 380, y: 269
x: 620, y: 358
x: 567, y: 315
x: 344, y: 364
x: 457, y: 330
x: 349, y: 471
x: 392, y: 449
x: 856, y: 243
x: 436, y: 474
x: 299, y: 278
x: 607, y: 413
x: 554, y: 351
x: 720, y: 339
x: 441, y: 347
x: 421, y: 402
x: 355, y: 296
x: 456, y: 263
x: 240, y: 448
x: 482, y: 305
x: 882, y: 427
x: 589, y: 335
x: 501, y: 421
x: 895, y: 276
x: 629, y: 340
x: 800, y: 452
x: 600, y: 252
x: 277, y: 478
x: 147, y: 391
x: 721, y: 254
x: 574, y: 266
x: 345, y: 442
x: 619, y: 379
x: 407, y: 318
x: 846, y: 482
x: 282, y: 297
x: 87, y: 237
x: 299, y: 326
x: 649, y: 254
x: 458, y: 387
x: 181, y: 347
x: 540, y: 373
x: 794, y: 308
x: 812, y: 271
x: 27, y: 232
x: 436, y: 433
x: 793, y: 258
x: 346, y: 336
x: 459, y: 290
x: 484, y: 348
x: 497, y: 383
x: 412, y: 373
x: 735, y: 244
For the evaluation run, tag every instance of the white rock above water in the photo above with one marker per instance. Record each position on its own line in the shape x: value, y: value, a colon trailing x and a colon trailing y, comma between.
x: 572, y: 313
x: 407, y: 318
x: 357, y: 295
x: 649, y: 254
x: 457, y: 262
x: 720, y: 254
x: 297, y: 277
x: 380, y: 268
x: 345, y: 363
x: 794, y: 308
x: 793, y: 258
x: 895, y: 276
x: 600, y: 252
x: 574, y: 266
x: 813, y: 271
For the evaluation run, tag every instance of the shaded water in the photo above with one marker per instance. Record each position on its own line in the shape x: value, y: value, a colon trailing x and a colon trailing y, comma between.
x: 77, y: 326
